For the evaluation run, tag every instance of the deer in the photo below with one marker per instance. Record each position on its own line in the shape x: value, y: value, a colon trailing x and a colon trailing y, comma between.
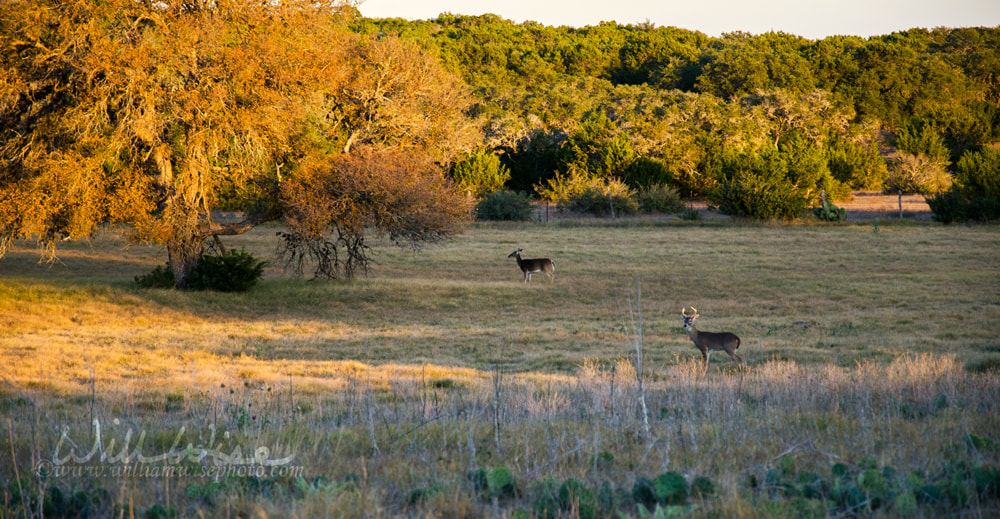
x: 530, y: 266
x: 708, y: 342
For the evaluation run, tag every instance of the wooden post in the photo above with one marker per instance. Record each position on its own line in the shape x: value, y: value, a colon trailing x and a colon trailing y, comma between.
x: 900, y: 204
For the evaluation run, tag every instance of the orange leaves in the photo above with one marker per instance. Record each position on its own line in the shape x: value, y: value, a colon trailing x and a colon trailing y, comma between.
x: 399, y: 194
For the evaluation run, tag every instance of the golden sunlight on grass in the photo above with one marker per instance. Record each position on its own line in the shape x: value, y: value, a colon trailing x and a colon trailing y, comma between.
x: 391, y: 393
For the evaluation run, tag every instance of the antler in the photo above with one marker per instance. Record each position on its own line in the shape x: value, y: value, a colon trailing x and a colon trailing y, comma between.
x: 684, y: 312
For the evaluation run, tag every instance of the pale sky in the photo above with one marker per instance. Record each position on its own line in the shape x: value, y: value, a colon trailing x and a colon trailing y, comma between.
x: 813, y: 19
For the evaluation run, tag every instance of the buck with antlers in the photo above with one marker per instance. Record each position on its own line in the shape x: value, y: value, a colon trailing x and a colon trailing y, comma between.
x: 530, y: 266
x: 708, y: 342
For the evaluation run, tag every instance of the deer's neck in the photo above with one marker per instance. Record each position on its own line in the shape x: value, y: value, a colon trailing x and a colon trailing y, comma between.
x: 692, y: 331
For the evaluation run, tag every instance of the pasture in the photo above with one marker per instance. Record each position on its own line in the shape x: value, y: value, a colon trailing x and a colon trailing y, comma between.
x: 441, y: 385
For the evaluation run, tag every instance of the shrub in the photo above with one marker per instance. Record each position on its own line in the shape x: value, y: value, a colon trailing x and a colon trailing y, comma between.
x: 160, y: 277
x: 660, y: 198
x: 505, y: 206
x: 480, y: 173
x: 758, y: 196
x: 237, y: 271
x: 646, y: 173
x: 599, y: 200
x: 671, y: 488
x: 952, y: 206
x: 978, y: 173
x: 976, y: 192
x: 691, y: 214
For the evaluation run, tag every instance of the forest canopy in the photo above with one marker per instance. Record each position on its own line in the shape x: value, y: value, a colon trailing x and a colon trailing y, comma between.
x: 154, y: 114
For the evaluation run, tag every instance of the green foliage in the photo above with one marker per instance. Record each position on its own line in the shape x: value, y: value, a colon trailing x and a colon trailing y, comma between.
x: 600, y: 200
x: 237, y: 271
x: 480, y: 173
x: 581, y: 192
x: 500, y: 482
x: 643, y: 492
x: 574, y: 494
x: 953, y: 206
x: 923, y: 139
x: 160, y: 277
x: 505, y: 206
x: 671, y: 488
x: 978, y: 173
x: 975, y: 195
x: 660, y: 198
x: 828, y: 212
x: 645, y: 173
x: 758, y: 195
x: 859, y: 166
x: 160, y: 512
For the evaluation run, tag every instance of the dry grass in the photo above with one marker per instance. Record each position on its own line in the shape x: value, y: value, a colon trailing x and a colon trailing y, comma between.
x: 861, y: 343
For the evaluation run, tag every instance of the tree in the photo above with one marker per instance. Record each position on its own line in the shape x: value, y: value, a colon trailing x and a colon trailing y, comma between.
x: 331, y: 205
x: 143, y: 113
x: 480, y: 173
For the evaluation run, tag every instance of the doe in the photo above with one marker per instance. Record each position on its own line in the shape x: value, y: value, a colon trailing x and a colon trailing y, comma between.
x: 530, y: 266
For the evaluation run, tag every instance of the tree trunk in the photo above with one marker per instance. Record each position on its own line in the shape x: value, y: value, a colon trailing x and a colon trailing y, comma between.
x: 183, y: 253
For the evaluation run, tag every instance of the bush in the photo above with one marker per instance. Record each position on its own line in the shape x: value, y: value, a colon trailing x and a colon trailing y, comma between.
x: 952, y: 206
x: 505, y: 206
x: 232, y: 272
x: 978, y: 173
x: 480, y: 173
x: 647, y: 173
x: 660, y: 198
x: 758, y: 196
x: 599, y: 200
x: 671, y: 488
x: 160, y: 277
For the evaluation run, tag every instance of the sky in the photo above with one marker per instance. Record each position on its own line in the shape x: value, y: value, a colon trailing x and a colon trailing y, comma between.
x: 813, y: 19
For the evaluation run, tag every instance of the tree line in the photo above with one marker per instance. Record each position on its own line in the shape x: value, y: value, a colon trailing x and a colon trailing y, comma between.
x: 153, y: 114
x: 753, y: 114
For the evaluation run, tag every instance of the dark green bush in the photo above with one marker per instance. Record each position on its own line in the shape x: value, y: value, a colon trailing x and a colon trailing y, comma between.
x: 643, y: 493
x: 160, y: 277
x: 660, y: 198
x: 645, y: 173
x: 948, y: 206
x: 573, y: 494
x: 671, y: 488
x: 760, y: 196
x: 953, y: 206
x: 505, y: 206
x: 237, y: 271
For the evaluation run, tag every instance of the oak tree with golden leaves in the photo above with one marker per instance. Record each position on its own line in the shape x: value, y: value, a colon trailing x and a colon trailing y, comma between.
x: 148, y: 113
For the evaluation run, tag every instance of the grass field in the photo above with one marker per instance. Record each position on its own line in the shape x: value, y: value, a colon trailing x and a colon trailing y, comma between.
x: 441, y: 385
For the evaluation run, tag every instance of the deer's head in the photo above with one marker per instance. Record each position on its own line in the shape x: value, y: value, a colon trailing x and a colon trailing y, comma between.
x: 689, y: 319
x: 515, y: 254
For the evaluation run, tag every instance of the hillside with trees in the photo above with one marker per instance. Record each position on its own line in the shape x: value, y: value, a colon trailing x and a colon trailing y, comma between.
x: 729, y: 118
